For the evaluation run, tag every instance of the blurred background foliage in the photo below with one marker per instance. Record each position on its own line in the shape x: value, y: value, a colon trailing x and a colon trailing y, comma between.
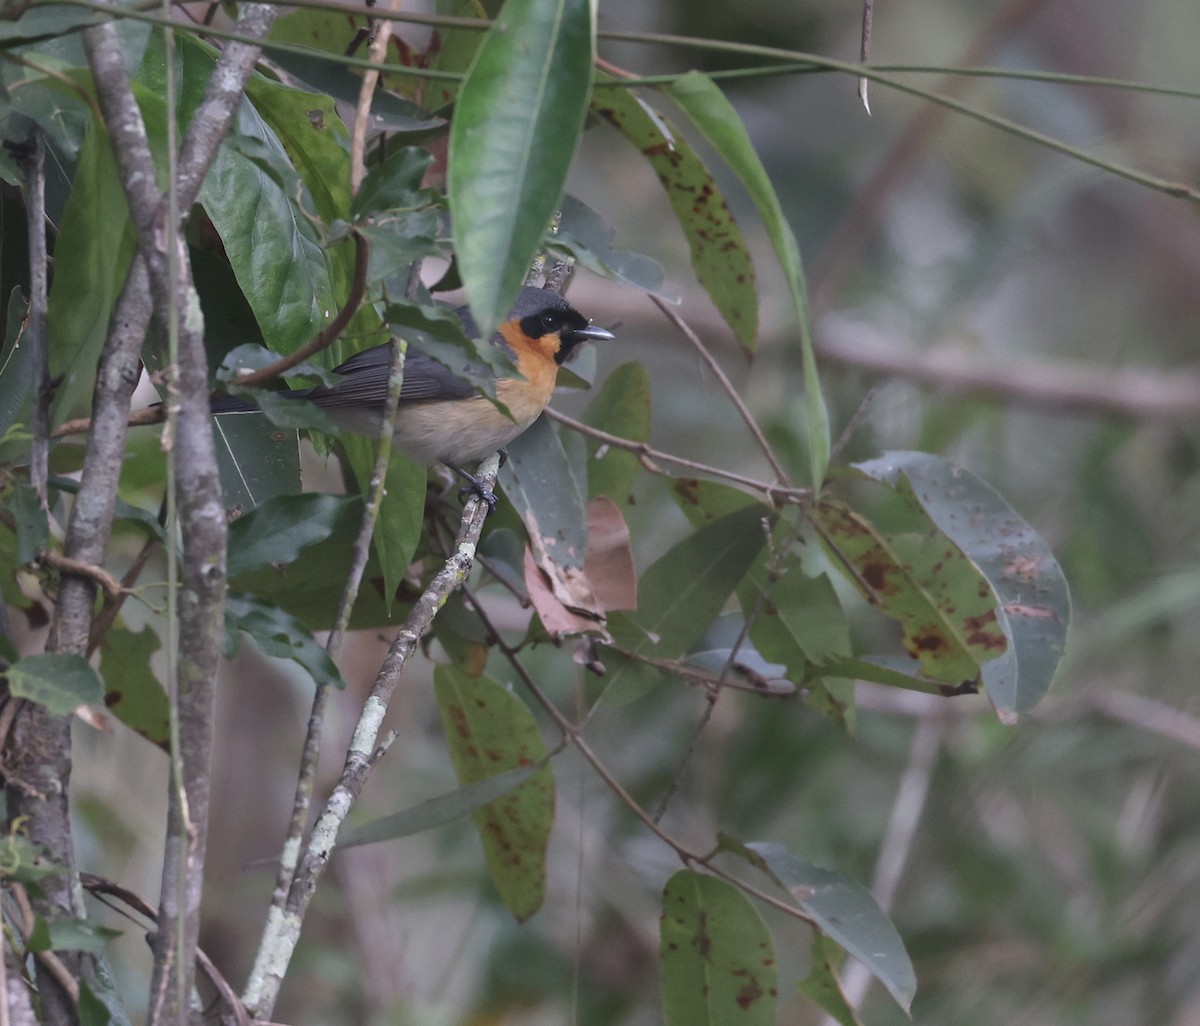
x: 1050, y: 873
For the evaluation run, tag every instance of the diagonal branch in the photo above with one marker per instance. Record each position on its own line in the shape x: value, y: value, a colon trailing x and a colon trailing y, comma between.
x: 283, y: 925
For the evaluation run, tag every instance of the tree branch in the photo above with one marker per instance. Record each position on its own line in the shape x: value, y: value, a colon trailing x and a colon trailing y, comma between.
x: 1060, y: 386
x: 283, y: 926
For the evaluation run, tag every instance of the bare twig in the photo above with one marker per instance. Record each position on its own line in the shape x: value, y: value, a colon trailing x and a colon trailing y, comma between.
x: 864, y: 51
x: 65, y: 564
x: 35, y: 330
x: 194, y: 477
x: 774, y: 492
x: 283, y: 927
x: 330, y: 333
x: 727, y: 385
x: 841, y: 253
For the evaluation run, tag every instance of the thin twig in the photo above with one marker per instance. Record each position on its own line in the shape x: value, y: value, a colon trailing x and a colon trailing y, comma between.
x: 774, y: 492
x: 283, y: 927
x: 723, y: 379
x: 327, y: 335
x: 47, y: 959
x: 65, y: 564
x: 864, y: 51
x: 35, y: 330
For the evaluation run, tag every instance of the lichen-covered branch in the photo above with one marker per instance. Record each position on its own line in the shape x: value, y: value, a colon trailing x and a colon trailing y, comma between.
x: 283, y: 925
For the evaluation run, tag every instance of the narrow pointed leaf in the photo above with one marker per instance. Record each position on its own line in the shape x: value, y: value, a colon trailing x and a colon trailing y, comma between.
x: 1035, y: 602
x: 844, y: 911
x: 490, y: 730
x: 277, y: 634
x: 516, y: 124
x: 684, y: 591
x: 443, y: 809
x: 720, y: 256
x: 716, y: 117
x: 718, y: 961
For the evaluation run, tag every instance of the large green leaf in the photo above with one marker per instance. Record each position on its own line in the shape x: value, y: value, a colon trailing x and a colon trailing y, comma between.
x: 621, y: 407
x: 91, y: 259
x: 720, y: 257
x: 684, y: 591
x: 272, y: 244
x: 843, y: 910
x: 490, y: 730
x: 516, y: 124
x: 134, y: 694
x: 922, y: 579
x: 257, y: 461
x: 1035, y: 602
x: 59, y: 681
x: 716, y: 117
x: 401, y: 512
x: 544, y: 490
x: 280, y: 529
x: 277, y: 634
x: 718, y: 961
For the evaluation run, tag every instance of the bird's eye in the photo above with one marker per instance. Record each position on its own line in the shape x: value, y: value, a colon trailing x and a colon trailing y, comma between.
x: 551, y: 322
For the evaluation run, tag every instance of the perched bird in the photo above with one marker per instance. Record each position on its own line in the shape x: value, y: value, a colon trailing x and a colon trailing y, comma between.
x: 442, y: 418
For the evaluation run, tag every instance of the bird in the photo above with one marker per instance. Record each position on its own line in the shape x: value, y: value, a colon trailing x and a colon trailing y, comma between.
x: 442, y: 418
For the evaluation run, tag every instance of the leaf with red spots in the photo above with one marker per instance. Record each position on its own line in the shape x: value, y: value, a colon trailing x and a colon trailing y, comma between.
x: 1034, y: 609
x: 700, y: 98
x: 719, y: 254
x: 718, y: 961
x: 947, y: 609
x: 489, y: 730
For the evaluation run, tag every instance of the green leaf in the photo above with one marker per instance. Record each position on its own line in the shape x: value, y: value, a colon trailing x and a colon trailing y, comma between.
x: 280, y: 529
x: 947, y: 609
x: 134, y: 694
x: 718, y: 961
x: 31, y: 521
x: 720, y: 256
x: 1035, y: 602
x: 391, y: 183
x: 844, y: 911
x: 438, y: 332
x: 685, y: 590
x: 541, y: 483
x: 92, y: 1011
x: 716, y: 117
x: 60, y: 682
x: 516, y: 124
x: 489, y: 730
x: 275, y: 250
x: 16, y: 368
x: 821, y: 986
x: 256, y: 461
x: 73, y: 935
x: 401, y: 513
x: 443, y: 809
x: 589, y: 238
x: 91, y: 260
x: 277, y: 634
x: 622, y: 408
